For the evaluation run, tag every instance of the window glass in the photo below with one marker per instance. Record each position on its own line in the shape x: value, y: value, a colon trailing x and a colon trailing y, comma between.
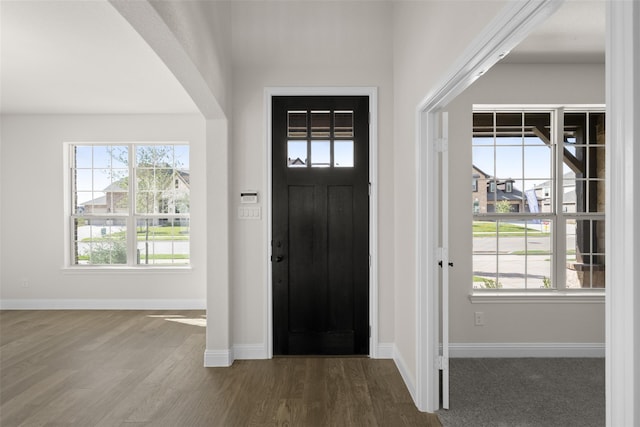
x: 343, y: 154
x: 515, y: 237
x: 320, y: 154
x: 297, y: 154
x: 107, y: 202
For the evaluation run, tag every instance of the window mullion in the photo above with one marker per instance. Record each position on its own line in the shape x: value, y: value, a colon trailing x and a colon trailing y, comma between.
x: 559, y: 231
x: 131, y: 220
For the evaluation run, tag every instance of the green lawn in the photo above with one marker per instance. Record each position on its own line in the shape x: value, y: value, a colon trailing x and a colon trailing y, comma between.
x: 155, y: 233
x: 487, y: 228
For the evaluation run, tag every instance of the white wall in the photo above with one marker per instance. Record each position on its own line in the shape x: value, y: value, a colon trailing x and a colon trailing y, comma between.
x: 33, y: 220
x: 513, y: 323
x: 204, y: 30
x: 301, y: 44
x: 428, y: 38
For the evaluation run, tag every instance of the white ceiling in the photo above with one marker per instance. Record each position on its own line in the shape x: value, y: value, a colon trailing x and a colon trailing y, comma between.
x: 66, y: 57
x: 574, y: 34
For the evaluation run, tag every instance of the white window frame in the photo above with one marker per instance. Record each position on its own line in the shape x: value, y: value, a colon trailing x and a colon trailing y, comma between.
x: 557, y: 216
x: 131, y: 217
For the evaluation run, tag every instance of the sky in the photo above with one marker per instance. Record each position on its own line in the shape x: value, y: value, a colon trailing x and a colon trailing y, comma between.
x: 528, y: 160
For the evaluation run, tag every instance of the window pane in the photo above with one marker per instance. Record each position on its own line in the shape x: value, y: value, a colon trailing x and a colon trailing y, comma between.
x: 483, y: 160
x: 83, y: 156
x: 320, y: 124
x: 508, y: 162
x: 101, y: 156
x: 155, y: 190
x: 485, y: 249
x: 585, y: 253
x: 297, y: 154
x: 154, y: 155
x: 297, y: 124
x: 181, y: 159
x: 537, y: 128
x: 511, y: 256
x: 539, y: 254
x: 99, y: 241
x: 162, y: 241
x: 320, y: 154
x: 483, y: 125
x: 343, y: 154
x: 84, y: 180
x: 343, y: 124
x: 537, y: 162
x: 508, y: 125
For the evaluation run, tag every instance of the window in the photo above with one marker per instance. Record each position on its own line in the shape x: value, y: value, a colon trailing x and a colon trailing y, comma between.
x: 542, y: 225
x: 508, y: 186
x: 324, y: 137
x: 129, y: 204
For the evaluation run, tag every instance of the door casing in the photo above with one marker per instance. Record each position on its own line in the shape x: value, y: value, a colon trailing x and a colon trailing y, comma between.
x: 372, y: 93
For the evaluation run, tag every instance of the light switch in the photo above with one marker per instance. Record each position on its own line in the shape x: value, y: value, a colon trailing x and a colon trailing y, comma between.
x: 252, y: 212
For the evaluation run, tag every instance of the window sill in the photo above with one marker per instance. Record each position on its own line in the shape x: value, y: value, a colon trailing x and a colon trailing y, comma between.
x: 547, y: 297
x: 126, y: 270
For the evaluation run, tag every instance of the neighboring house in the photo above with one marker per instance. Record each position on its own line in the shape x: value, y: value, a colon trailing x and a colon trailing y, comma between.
x: 167, y: 200
x: 487, y: 192
x: 544, y: 194
x: 296, y: 162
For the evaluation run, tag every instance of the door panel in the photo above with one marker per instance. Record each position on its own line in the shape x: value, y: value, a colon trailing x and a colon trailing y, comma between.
x: 320, y: 243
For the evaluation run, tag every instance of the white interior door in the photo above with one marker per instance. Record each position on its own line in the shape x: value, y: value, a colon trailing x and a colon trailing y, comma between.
x: 445, y: 264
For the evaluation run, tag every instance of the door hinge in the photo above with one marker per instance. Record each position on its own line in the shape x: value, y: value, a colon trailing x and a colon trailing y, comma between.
x: 369, y: 331
x: 441, y: 254
x: 369, y: 189
x: 369, y: 260
x: 442, y: 363
x: 442, y: 145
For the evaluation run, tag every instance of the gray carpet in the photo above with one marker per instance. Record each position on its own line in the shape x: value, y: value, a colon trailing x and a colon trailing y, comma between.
x: 525, y: 393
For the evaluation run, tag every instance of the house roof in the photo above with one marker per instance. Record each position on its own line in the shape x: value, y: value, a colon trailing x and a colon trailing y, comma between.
x: 547, y: 184
x: 100, y: 201
x: 515, y: 195
x: 486, y: 175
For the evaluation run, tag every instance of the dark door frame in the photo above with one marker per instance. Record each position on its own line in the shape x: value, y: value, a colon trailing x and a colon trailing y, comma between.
x: 372, y: 93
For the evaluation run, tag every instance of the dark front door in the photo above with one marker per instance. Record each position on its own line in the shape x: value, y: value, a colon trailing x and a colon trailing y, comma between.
x: 320, y: 247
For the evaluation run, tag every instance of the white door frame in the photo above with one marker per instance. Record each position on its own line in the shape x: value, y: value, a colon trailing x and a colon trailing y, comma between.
x: 510, y: 27
x: 372, y: 93
x: 623, y: 192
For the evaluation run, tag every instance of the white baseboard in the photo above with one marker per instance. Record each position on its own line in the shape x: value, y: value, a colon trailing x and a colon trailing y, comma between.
x: 217, y: 358
x: 404, y: 372
x: 470, y: 350
x: 249, y: 352
x: 103, y: 304
x: 385, y: 350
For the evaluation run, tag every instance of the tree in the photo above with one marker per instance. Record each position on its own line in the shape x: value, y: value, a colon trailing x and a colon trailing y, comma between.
x: 503, y: 206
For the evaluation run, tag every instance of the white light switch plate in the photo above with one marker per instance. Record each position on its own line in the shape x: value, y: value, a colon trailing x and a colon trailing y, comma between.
x: 252, y: 212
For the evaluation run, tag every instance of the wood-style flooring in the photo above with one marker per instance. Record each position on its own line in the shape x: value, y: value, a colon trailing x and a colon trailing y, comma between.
x: 142, y: 368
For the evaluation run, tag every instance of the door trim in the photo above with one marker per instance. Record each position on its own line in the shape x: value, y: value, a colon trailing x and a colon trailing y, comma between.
x: 512, y: 24
x: 372, y: 93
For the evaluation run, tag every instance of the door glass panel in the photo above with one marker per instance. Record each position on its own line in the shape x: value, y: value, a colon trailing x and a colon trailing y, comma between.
x: 321, y: 124
x: 297, y: 154
x: 297, y: 124
x: 343, y: 124
x: 343, y: 154
x: 320, y: 154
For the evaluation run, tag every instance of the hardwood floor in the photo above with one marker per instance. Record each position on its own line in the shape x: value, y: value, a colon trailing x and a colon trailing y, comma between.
x: 141, y: 368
